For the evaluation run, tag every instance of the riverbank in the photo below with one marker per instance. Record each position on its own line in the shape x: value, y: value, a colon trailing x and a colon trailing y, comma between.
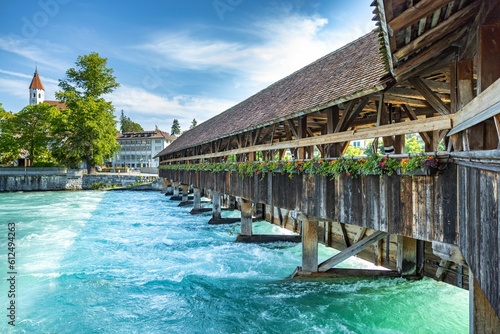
x: 54, y: 179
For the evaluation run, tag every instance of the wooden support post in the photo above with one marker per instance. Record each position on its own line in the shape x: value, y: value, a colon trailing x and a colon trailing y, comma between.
x: 345, y: 237
x: 185, y: 192
x: 482, y: 316
x: 167, y: 187
x: 196, y: 199
x: 302, y: 133
x: 309, y: 246
x: 176, y: 188
x: 352, y: 250
x: 232, y: 203
x: 489, y: 71
x: 246, y: 217
x: 216, y: 208
x: 407, y: 256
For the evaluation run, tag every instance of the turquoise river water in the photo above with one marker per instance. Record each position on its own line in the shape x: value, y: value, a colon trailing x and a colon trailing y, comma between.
x: 133, y: 262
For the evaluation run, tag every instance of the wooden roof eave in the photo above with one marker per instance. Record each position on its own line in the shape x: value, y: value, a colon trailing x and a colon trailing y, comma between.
x: 386, y: 32
x: 366, y: 92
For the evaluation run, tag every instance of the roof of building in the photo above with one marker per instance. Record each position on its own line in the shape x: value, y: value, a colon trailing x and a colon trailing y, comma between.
x: 155, y: 134
x: 347, y: 72
x: 36, y: 82
x: 59, y: 105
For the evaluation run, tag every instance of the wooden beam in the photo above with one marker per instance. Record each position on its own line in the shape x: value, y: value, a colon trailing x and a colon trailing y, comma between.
x: 415, y: 13
x: 429, y: 95
x: 411, y: 114
x: 352, y: 250
x: 345, y: 116
x: 421, y: 125
x: 293, y: 128
x: 483, y: 107
x: 354, y: 114
x: 438, y: 32
x: 435, y: 50
x: 345, y: 237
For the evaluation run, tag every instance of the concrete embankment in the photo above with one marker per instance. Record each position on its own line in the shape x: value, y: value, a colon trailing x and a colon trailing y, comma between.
x: 51, y: 179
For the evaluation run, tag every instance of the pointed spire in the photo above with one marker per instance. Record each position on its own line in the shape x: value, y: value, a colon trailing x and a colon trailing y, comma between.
x: 36, y: 83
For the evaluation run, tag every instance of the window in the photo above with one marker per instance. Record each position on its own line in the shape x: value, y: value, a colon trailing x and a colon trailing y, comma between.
x: 39, y: 95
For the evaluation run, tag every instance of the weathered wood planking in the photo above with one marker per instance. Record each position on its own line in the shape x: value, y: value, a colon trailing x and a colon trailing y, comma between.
x: 479, y: 236
x: 420, y: 207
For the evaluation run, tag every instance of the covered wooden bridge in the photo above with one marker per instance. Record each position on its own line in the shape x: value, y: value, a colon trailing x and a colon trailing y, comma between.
x: 432, y: 68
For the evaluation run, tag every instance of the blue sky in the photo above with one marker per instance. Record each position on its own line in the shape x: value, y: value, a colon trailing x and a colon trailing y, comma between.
x: 173, y: 59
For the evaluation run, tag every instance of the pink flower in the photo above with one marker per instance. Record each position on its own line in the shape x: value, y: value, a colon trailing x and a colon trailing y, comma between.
x: 382, y: 164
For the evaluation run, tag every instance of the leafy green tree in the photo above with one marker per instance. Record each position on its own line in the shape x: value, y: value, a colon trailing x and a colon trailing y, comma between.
x: 176, y: 128
x: 127, y: 125
x: 86, y: 130
x: 352, y: 151
x: 413, y: 144
x: 193, y: 123
x: 9, y: 149
x: 31, y: 127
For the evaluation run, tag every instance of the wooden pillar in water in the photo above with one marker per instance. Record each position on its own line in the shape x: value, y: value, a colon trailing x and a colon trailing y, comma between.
x: 407, y: 256
x: 246, y: 217
x: 196, y: 199
x: 309, y: 245
x: 176, y: 188
x: 185, y: 192
x: 232, y: 203
x: 216, y: 209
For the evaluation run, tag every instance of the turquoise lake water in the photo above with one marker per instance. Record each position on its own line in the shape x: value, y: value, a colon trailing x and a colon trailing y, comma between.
x: 133, y: 262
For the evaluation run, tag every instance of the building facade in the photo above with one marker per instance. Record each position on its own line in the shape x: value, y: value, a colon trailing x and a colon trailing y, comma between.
x: 138, y: 149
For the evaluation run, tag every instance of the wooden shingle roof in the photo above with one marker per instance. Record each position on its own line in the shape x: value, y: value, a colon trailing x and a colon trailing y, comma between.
x: 354, y: 70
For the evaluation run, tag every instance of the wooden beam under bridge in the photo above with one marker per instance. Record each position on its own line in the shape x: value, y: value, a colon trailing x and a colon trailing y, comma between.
x: 352, y: 250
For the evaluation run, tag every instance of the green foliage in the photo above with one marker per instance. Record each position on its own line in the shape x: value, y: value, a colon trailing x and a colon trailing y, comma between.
x: 374, y: 164
x: 32, y: 128
x: 127, y: 125
x: 353, y: 151
x: 193, y: 123
x: 378, y: 165
x: 86, y: 130
x: 176, y: 128
x: 413, y: 144
x: 9, y: 149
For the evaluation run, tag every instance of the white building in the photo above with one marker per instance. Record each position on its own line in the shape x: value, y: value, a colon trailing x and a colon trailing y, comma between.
x: 138, y: 148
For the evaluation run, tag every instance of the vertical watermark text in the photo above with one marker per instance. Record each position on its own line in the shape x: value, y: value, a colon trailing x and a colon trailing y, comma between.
x: 11, y: 273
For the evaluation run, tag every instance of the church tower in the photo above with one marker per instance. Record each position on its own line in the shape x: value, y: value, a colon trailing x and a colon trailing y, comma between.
x: 37, y: 92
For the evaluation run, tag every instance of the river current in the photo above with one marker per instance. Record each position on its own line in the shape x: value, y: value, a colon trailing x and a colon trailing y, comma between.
x: 134, y: 262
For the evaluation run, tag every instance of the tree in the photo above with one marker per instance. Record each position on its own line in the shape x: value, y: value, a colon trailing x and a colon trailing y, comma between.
x: 352, y: 151
x: 176, y: 128
x: 193, y: 123
x: 126, y: 124
x: 413, y: 144
x: 31, y: 127
x: 8, y: 145
x: 86, y: 130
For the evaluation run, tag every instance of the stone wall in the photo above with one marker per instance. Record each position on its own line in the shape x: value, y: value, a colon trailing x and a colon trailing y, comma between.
x: 73, y: 180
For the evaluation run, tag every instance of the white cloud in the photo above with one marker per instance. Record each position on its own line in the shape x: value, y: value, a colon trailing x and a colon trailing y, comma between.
x: 149, y: 109
x: 285, y: 44
x: 35, y: 50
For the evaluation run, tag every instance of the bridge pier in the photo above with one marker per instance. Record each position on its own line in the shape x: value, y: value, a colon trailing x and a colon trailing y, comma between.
x: 246, y: 217
x: 309, y: 245
x: 185, y: 195
x: 406, y: 260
